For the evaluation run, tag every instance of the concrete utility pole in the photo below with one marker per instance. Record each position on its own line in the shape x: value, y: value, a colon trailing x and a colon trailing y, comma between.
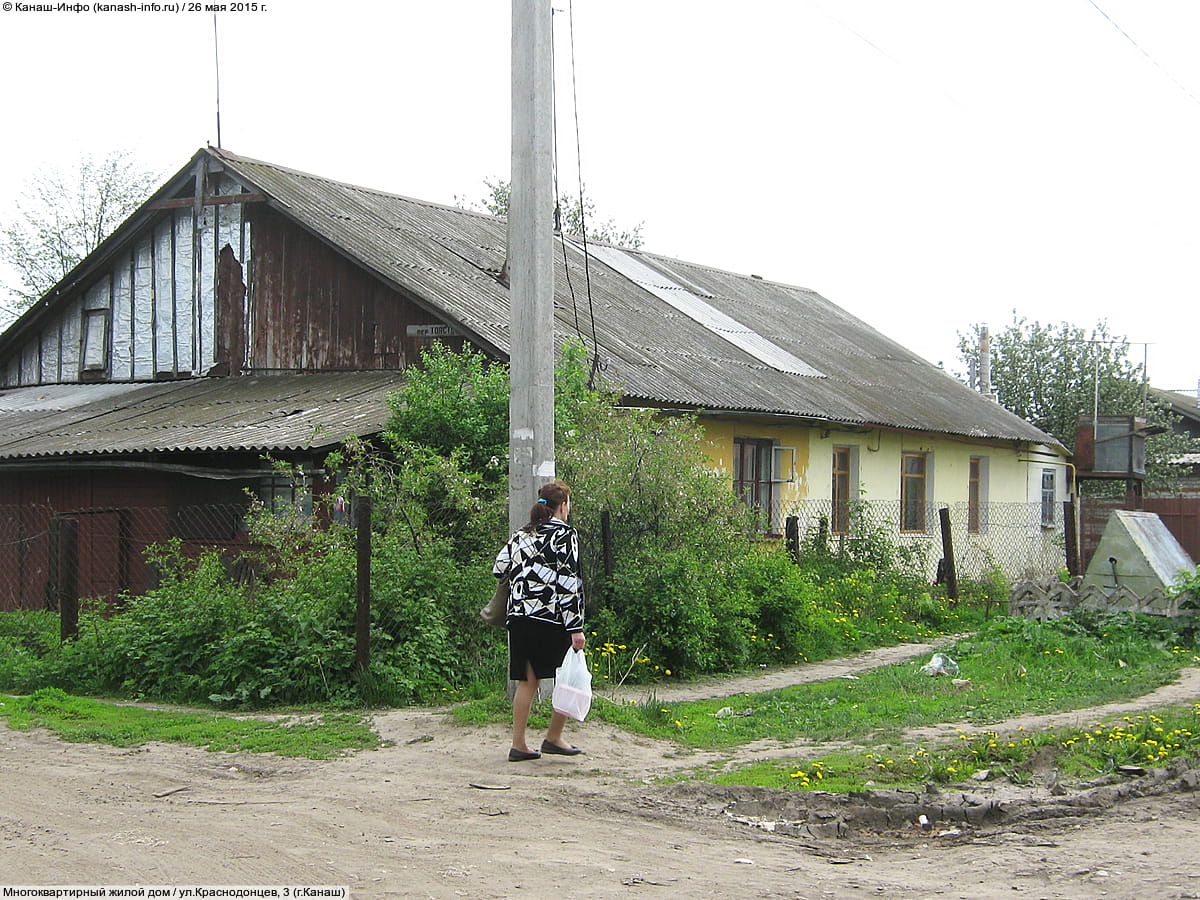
x: 531, y: 258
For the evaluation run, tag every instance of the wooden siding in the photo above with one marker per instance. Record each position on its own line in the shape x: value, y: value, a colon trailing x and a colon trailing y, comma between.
x: 119, y: 513
x: 231, y: 316
x: 106, y: 565
x: 313, y: 309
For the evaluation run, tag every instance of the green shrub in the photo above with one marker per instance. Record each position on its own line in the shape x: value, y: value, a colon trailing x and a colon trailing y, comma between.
x: 26, y: 637
x: 693, y: 589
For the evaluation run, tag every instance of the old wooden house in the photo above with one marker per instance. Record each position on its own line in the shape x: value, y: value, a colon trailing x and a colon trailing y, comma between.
x: 248, y: 309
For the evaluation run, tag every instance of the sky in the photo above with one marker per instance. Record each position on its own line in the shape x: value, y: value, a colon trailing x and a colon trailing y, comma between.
x: 927, y: 165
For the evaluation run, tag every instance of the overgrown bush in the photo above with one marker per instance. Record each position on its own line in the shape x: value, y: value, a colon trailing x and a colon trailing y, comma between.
x: 692, y: 588
x: 203, y: 637
x: 26, y: 637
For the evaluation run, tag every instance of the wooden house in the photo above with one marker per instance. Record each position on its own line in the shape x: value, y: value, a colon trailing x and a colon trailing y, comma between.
x: 248, y: 309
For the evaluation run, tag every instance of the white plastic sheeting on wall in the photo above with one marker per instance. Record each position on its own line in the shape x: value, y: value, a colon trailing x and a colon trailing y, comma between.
x: 122, y: 321
x: 158, y: 295
x: 185, y: 290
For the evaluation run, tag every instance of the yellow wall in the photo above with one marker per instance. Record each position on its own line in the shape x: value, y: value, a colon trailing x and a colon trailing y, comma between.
x: 878, y: 454
x: 720, y: 434
x: 1012, y: 535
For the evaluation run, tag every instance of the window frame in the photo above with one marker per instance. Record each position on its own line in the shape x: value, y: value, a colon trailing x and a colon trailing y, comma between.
x: 281, y: 494
x: 909, y: 502
x: 977, y: 495
x: 1049, y: 498
x: 93, y: 338
x: 841, y: 487
x: 750, y: 490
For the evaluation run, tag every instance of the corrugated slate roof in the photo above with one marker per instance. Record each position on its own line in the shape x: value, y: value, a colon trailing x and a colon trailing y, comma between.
x: 655, y: 351
x: 247, y: 413
x: 1182, y: 404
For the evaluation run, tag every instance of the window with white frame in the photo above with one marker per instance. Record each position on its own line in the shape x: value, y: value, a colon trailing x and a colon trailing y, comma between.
x: 1049, y: 498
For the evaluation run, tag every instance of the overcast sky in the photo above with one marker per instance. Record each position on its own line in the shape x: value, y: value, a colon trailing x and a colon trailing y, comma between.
x: 928, y: 165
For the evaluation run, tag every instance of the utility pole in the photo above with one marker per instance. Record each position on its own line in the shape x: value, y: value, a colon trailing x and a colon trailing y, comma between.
x: 531, y: 258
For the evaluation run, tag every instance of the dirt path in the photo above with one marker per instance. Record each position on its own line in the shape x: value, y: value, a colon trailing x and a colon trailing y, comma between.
x: 773, y: 679
x: 442, y: 814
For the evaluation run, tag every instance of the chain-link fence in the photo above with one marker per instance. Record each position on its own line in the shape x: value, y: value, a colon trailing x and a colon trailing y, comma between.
x: 101, y: 552
x: 53, y: 559
x: 49, y: 556
x: 1022, y: 540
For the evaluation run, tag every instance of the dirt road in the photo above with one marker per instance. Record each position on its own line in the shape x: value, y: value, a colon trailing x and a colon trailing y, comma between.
x: 442, y: 814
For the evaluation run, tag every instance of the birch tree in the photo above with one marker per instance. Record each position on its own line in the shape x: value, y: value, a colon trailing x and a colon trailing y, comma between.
x: 1050, y: 375
x: 62, y: 215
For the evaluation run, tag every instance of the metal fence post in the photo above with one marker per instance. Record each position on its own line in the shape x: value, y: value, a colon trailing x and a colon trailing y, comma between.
x: 362, y: 623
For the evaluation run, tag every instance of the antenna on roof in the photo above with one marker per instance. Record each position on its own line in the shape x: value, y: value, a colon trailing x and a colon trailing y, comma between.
x: 217, y: 61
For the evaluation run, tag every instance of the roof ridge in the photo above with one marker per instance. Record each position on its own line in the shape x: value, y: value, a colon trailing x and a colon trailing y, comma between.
x: 234, y: 158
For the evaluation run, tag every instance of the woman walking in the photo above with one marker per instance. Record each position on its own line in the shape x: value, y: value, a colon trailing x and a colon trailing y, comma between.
x: 545, y: 611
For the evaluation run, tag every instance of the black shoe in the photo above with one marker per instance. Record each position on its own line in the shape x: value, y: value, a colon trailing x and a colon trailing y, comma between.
x: 515, y: 755
x: 548, y: 747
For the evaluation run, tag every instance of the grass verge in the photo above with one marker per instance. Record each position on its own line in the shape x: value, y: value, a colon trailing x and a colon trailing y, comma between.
x: 1010, y: 667
x: 82, y: 720
x: 1130, y: 743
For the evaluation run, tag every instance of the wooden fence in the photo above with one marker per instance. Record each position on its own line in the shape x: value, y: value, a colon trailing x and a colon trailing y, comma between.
x: 1181, y: 516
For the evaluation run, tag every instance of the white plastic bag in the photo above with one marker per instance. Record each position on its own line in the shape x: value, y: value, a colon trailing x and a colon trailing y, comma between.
x: 939, y: 664
x: 573, y: 686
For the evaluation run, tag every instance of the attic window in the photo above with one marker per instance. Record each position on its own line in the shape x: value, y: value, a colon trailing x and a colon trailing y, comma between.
x: 94, y: 357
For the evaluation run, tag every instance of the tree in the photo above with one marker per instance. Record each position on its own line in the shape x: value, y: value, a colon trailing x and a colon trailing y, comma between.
x: 1050, y: 375
x: 63, y: 215
x: 576, y: 215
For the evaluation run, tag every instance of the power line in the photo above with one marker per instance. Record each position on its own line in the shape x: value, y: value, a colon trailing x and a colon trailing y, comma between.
x: 558, y: 194
x: 597, y: 365
x: 587, y: 269
x: 1142, y: 50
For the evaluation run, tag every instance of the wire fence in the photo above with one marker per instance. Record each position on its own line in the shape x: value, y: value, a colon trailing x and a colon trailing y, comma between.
x: 55, y: 560
x: 1021, y: 540
x: 49, y: 556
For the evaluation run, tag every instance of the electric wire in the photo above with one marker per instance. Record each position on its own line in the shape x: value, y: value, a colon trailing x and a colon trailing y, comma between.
x: 1142, y: 50
x: 558, y: 197
x: 597, y: 366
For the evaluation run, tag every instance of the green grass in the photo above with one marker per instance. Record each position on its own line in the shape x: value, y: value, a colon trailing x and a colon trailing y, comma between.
x: 1013, y: 667
x: 1142, y: 741
x: 82, y: 720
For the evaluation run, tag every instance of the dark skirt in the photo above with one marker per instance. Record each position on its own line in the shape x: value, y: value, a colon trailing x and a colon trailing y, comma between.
x: 542, y: 644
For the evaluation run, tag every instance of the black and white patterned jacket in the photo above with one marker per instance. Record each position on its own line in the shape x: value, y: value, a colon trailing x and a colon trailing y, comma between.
x: 544, y: 575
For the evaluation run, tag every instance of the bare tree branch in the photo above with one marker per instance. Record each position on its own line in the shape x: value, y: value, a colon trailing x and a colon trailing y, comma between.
x: 62, y: 216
